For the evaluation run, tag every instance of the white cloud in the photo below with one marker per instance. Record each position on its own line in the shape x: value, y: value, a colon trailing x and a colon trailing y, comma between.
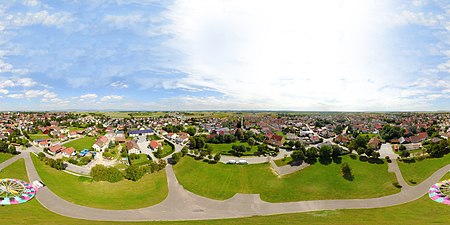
x: 300, y: 55
x: 17, y: 82
x: 111, y: 98
x: 4, y: 91
x: 419, y: 18
x: 8, y: 68
x: 119, y: 84
x: 42, y: 17
x: 88, y: 96
x: 34, y: 94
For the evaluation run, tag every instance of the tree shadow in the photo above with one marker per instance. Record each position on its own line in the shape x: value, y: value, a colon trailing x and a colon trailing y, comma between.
x: 375, y: 161
x: 363, y: 158
x: 337, y: 160
x: 311, y: 160
x: 325, y: 160
x: 353, y: 156
x: 348, y: 177
x: 295, y: 163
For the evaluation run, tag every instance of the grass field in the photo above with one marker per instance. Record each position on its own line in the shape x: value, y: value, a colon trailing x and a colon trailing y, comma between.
x: 424, y: 211
x: 5, y: 156
x: 150, y: 190
x: 143, y: 159
x: 167, y: 149
x: 153, y: 137
x: 15, y: 170
x: 221, y: 181
x: 82, y: 143
x: 283, y: 161
x: 224, y: 148
x: 38, y: 136
x: 420, y: 170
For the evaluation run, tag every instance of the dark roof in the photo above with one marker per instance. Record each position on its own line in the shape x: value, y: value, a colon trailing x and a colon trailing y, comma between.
x: 140, y: 131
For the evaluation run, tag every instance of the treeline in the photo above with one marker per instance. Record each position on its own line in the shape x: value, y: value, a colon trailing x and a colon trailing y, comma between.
x: 6, y: 148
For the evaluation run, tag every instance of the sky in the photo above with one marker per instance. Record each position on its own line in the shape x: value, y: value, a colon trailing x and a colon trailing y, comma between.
x: 321, y: 55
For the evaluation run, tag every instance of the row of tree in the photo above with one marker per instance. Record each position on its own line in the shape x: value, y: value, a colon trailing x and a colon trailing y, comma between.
x: 6, y: 148
x: 325, y: 151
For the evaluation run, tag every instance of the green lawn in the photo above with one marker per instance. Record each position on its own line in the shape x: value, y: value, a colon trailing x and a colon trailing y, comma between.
x: 283, y: 161
x: 143, y: 159
x: 167, y: 149
x: 221, y: 181
x: 5, y: 156
x: 153, y: 137
x: 420, y: 170
x: 38, y: 136
x: 82, y: 143
x: 425, y: 212
x: 15, y: 170
x: 224, y: 148
x: 150, y: 190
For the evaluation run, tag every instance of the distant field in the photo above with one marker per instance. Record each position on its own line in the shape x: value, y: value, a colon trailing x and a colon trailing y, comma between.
x: 82, y: 143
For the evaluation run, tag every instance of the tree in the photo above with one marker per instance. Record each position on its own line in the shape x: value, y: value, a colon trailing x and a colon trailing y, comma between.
x: 298, y: 144
x: 251, y: 141
x: 134, y: 173
x: 238, y: 150
x: 402, y: 148
x: 184, y: 150
x: 346, y: 171
x: 217, y: 158
x: 298, y: 155
x: 114, y: 175
x: 58, y: 164
x: 404, y: 154
x: 191, y: 130
x: 325, y: 151
x: 336, y: 150
x: 312, y: 152
x: 12, y: 150
x: 99, y: 173
x: 176, y: 158
x: 158, y: 153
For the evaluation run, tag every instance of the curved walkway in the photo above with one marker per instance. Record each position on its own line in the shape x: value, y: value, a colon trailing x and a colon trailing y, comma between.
x: 183, y: 205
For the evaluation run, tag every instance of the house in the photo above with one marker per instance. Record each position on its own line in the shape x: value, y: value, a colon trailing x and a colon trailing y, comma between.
x: 171, y: 136
x: 419, y: 137
x: 154, y: 145
x: 55, y: 149
x: 63, y: 137
x: 133, y: 147
x: 182, y: 137
x: 374, y: 143
x: 276, y: 140
x: 44, y: 143
x: 342, y: 139
x: 67, y: 152
x: 137, y: 133
x: 101, y: 144
x: 73, y: 134
x: 315, y: 139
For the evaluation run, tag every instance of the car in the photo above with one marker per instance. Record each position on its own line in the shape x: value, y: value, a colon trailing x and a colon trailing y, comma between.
x: 242, y: 161
x: 37, y: 184
x: 231, y: 161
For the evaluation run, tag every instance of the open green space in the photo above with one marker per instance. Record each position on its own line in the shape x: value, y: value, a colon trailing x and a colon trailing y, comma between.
x: 418, y: 171
x: 5, y: 156
x: 125, y: 194
x: 225, y: 148
x: 283, y: 161
x: 143, y: 159
x: 318, y: 181
x: 167, y: 149
x: 424, y: 211
x: 153, y: 137
x: 15, y: 170
x: 82, y: 143
x: 38, y: 136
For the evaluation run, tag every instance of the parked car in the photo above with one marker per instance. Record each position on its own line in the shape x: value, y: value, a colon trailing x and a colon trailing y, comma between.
x: 37, y: 184
x: 231, y: 161
x: 242, y: 161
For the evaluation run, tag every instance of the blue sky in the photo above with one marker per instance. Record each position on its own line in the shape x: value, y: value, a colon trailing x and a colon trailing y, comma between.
x: 345, y: 55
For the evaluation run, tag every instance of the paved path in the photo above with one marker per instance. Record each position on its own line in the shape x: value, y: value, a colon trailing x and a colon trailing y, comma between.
x: 287, y: 169
x: 184, y: 205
